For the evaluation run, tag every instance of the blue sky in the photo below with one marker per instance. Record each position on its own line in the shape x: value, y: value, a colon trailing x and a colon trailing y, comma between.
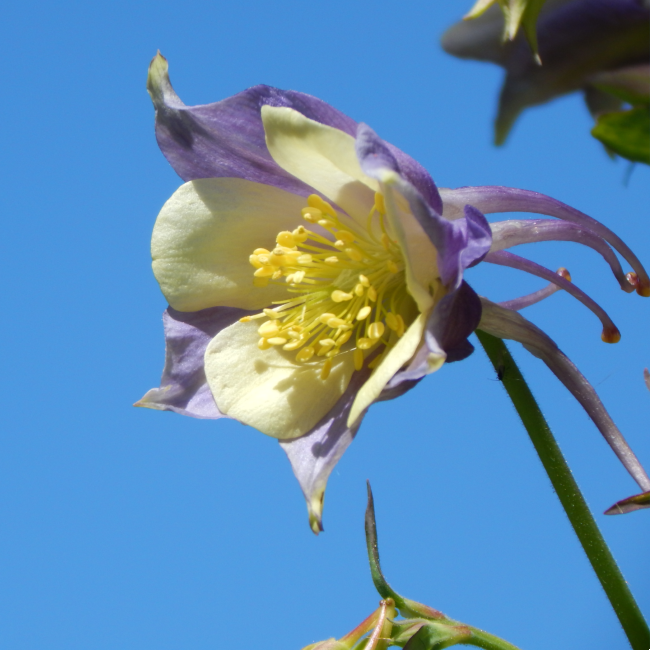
x: 127, y: 528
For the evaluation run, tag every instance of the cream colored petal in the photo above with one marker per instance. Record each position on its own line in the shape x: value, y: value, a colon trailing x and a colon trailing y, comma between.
x: 267, y: 389
x: 320, y: 156
x: 205, y: 234
x: 397, y: 356
x: 420, y: 255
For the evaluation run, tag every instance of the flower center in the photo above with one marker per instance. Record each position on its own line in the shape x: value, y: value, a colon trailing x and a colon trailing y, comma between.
x: 349, y: 289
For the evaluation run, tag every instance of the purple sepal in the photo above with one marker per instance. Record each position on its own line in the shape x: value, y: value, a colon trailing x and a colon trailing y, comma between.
x: 452, y: 320
x: 460, y: 244
x: 183, y: 386
x: 314, y: 455
x: 226, y: 139
x: 374, y: 154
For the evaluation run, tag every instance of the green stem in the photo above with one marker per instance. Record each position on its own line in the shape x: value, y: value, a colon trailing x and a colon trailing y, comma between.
x: 488, y: 641
x: 567, y: 489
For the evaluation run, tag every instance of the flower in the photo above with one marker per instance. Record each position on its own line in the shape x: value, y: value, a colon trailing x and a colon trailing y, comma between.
x: 313, y: 269
x: 583, y: 44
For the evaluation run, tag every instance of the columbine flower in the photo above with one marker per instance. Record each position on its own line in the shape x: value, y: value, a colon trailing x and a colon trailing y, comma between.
x: 579, y: 40
x: 313, y: 269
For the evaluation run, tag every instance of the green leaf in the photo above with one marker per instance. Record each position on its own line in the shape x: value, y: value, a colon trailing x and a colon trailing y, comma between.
x: 627, y: 133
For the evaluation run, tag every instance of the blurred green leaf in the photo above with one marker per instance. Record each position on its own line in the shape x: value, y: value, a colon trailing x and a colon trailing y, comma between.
x: 627, y: 133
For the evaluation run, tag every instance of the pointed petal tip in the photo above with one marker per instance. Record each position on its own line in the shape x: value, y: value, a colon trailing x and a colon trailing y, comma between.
x: 145, y: 404
x: 635, y: 502
x: 315, y: 508
x: 157, y: 77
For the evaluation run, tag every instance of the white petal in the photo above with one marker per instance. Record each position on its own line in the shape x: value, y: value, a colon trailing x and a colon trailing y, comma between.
x: 397, y: 356
x: 420, y: 255
x: 267, y: 389
x: 204, y: 235
x: 320, y: 156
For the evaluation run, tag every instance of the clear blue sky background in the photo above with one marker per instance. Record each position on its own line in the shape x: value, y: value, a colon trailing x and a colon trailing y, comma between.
x: 132, y: 529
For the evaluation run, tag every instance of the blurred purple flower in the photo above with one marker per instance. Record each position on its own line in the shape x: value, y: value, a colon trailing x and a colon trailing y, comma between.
x: 300, y: 338
x: 583, y: 44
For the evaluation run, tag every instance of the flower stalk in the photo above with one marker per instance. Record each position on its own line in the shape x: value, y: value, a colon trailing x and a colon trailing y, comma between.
x: 432, y: 628
x: 574, y: 504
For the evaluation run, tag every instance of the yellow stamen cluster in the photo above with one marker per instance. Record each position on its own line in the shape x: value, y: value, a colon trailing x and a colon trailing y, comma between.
x: 348, y: 281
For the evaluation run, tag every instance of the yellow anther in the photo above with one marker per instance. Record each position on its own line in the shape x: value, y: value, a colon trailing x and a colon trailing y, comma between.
x: 305, y: 354
x: 344, y: 338
x: 311, y: 215
x: 293, y: 345
x: 340, y: 296
x: 354, y: 254
x: 379, y: 203
x: 346, y: 236
x: 285, y: 238
x: 326, y: 346
x: 296, y: 278
x: 376, y: 330
x: 364, y: 312
x: 391, y: 321
x: 268, y: 329
x: 401, y: 328
x: 300, y: 234
x: 320, y: 279
x: 245, y: 319
x: 327, y: 368
x: 277, y: 259
x: 326, y: 207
